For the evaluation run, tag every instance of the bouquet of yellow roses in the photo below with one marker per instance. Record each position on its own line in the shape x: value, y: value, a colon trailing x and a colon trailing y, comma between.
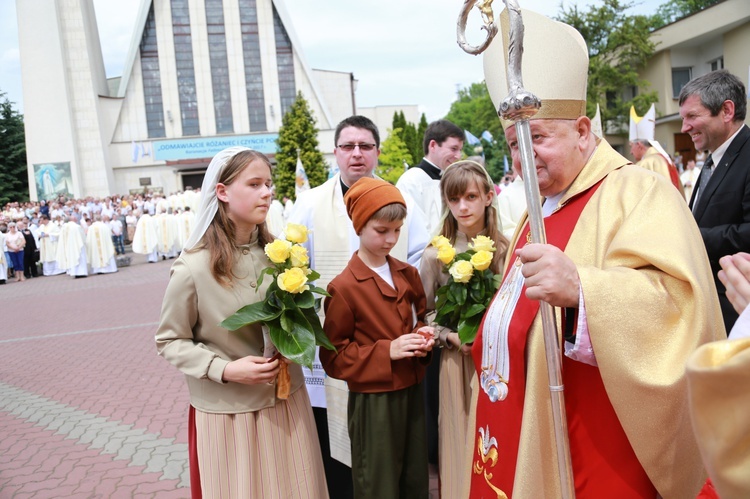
x: 289, y: 308
x: 461, y: 302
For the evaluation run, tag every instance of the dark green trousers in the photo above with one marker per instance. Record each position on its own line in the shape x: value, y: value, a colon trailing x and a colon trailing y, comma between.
x: 389, y: 444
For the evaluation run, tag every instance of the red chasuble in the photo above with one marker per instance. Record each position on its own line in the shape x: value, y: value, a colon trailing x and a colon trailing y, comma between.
x: 604, y: 464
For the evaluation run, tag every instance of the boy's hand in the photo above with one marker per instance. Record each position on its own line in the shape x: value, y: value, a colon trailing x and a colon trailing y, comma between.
x: 411, y: 345
x: 428, y: 332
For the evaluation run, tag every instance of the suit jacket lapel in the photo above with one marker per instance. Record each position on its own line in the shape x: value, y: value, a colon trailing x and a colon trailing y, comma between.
x: 721, y: 170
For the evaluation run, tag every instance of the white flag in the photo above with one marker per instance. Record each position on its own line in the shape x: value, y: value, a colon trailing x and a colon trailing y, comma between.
x: 301, y: 184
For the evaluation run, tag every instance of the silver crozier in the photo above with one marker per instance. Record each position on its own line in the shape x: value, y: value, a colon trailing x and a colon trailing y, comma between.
x: 519, y: 107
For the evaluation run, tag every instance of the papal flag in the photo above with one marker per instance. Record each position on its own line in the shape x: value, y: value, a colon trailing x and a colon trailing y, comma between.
x: 301, y: 183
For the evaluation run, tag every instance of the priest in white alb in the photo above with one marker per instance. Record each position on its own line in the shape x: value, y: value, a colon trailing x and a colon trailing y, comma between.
x: 100, y: 250
x: 71, y: 250
x: 145, y: 239
x: 49, y: 233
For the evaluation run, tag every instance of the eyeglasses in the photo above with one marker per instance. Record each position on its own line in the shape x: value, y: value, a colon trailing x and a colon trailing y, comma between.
x: 362, y: 147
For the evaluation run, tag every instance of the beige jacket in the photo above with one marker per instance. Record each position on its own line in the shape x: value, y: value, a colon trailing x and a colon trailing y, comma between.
x: 190, y: 338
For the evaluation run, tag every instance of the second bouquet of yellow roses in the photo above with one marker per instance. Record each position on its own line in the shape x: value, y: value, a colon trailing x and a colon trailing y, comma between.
x: 461, y: 302
x: 289, y: 308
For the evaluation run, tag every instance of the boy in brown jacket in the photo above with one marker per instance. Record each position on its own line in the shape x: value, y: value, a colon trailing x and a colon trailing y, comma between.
x: 375, y: 318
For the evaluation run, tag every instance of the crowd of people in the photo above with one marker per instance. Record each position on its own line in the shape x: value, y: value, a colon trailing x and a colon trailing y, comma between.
x: 82, y: 236
x: 627, y: 265
x: 643, y: 284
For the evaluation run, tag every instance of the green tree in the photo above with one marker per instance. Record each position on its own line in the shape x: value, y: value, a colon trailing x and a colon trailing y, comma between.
x: 619, y: 45
x: 298, y: 132
x: 411, y: 135
x: 399, y: 123
x: 474, y: 111
x: 14, y: 180
x: 412, y: 142
x: 393, y: 154
x: 677, y: 9
x: 421, y: 129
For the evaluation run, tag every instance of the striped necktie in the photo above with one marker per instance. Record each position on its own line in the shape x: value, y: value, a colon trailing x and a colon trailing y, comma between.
x: 706, y: 172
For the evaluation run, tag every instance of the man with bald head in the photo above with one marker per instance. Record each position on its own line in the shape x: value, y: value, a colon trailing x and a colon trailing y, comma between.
x: 631, y: 287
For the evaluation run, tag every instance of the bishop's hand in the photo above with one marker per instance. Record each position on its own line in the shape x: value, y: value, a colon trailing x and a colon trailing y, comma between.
x: 550, y: 275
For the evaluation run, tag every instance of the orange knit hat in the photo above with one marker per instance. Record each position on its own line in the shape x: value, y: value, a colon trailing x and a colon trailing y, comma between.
x: 366, y: 197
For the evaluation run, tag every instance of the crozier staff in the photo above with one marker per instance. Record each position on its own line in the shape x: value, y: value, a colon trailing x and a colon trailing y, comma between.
x: 634, y: 293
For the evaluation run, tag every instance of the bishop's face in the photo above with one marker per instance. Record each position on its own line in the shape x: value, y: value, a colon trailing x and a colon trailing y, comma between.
x: 558, y: 146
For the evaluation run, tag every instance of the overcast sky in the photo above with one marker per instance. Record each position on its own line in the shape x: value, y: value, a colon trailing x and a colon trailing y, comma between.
x: 401, y: 51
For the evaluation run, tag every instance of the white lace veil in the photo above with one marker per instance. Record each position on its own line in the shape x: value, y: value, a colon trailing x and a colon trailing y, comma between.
x: 209, y: 204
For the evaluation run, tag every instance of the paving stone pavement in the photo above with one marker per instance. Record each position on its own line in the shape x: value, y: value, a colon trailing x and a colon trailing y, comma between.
x: 87, y: 407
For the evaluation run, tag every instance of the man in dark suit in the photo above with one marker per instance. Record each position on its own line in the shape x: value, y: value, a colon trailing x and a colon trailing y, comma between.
x: 31, y: 253
x: 713, y: 109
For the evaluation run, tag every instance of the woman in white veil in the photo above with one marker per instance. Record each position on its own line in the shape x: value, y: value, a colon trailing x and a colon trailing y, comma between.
x: 243, y: 441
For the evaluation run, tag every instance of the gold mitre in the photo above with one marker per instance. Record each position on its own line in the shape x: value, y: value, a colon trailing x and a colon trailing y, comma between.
x: 554, y: 67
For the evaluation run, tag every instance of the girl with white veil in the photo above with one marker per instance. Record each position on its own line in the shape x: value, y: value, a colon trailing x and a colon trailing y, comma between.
x: 243, y: 441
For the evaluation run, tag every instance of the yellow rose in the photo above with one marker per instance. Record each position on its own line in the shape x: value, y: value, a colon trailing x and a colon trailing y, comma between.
x: 296, y: 233
x: 461, y: 271
x: 293, y: 280
x: 439, y: 241
x: 446, y: 253
x: 278, y: 250
x: 480, y: 243
x: 298, y: 255
x: 481, y: 260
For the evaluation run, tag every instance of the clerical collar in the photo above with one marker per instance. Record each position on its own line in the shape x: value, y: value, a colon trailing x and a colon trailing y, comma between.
x: 430, y: 169
x: 344, y: 187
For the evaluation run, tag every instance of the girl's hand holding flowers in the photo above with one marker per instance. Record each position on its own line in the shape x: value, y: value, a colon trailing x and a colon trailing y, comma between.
x: 462, y: 301
x: 289, y: 308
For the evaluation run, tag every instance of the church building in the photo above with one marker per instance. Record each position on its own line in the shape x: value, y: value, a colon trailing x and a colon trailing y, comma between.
x: 200, y: 76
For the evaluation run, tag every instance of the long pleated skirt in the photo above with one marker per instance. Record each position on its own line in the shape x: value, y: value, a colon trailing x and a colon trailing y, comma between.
x: 270, y: 453
x: 456, y: 372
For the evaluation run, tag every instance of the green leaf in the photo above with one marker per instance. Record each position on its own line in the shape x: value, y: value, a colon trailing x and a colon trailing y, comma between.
x: 467, y: 329
x: 313, y: 276
x: 250, y: 314
x: 288, y: 300
x: 294, y: 338
x: 497, y: 280
x: 320, y: 336
x: 447, y: 309
x: 463, y: 256
x: 458, y: 293
x: 305, y: 299
x: 263, y: 274
x: 477, y: 295
x: 476, y: 308
x: 320, y: 291
x: 273, y: 298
